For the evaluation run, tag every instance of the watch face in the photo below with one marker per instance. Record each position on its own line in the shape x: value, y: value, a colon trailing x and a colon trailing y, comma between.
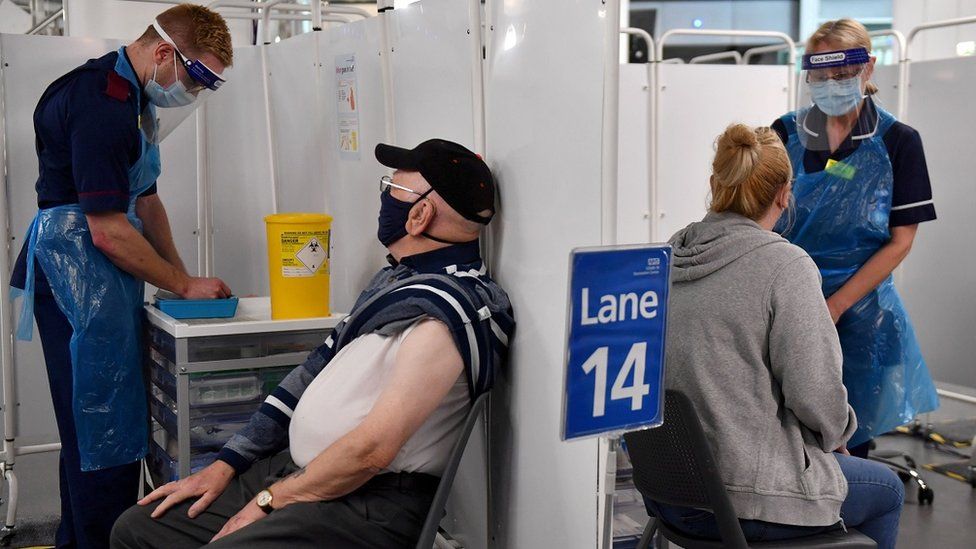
x: 264, y: 498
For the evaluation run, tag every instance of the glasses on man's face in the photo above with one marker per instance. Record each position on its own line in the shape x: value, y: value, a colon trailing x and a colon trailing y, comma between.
x: 824, y: 75
x: 386, y: 184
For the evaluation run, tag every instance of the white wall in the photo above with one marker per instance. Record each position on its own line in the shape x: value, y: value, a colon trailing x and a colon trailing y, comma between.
x: 13, y: 19
x: 125, y: 20
x: 863, y: 10
x: 729, y: 14
x: 935, y: 43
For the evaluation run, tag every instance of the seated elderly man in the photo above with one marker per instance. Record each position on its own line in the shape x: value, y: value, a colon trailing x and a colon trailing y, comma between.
x: 346, y: 452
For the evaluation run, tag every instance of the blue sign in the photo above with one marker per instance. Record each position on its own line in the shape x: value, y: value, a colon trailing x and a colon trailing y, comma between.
x: 617, y: 327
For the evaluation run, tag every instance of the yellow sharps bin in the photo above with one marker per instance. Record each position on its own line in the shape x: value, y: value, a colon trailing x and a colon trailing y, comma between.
x: 298, y: 264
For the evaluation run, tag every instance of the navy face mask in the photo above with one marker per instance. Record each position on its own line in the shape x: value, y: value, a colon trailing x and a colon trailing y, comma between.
x: 393, y: 217
x: 393, y: 220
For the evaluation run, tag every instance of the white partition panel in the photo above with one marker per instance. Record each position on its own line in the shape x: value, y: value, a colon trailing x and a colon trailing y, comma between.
x: 177, y: 188
x: 937, y: 279
x: 30, y: 64
x: 432, y: 72
x: 544, y: 123
x: 352, y: 181
x: 886, y: 78
x: 296, y: 75
x: 697, y: 103
x: 633, y: 153
x: 240, y: 175
x: 432, y: 93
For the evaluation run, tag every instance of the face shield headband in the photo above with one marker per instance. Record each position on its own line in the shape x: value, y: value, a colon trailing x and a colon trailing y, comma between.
x: 832, y: 59
x: 197, y: 70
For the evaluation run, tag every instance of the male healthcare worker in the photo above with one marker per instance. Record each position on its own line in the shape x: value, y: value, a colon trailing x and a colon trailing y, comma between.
x: 861, y: 189
x: 101, y: 231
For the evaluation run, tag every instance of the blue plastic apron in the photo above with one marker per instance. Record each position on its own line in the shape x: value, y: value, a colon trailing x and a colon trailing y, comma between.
x: 104, y: 307
x: 841, y: 220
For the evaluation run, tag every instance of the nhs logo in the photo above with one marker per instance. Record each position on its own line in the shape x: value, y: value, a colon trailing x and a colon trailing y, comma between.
x: 614, y: 379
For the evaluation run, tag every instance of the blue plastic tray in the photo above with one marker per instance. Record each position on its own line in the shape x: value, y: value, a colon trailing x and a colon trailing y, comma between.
x: 182, y: 309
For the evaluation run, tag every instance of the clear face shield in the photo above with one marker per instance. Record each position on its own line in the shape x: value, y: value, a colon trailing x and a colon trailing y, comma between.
x: 166, y: 108
x: 832, y: 86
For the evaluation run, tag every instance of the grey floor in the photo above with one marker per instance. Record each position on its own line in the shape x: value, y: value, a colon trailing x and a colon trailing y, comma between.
x: 950, y: 523
x: 38, y: 503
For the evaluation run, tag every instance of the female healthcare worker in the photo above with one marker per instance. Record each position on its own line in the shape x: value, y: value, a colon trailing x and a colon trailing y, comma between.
x: 861, y: 189
x: 99, y: 233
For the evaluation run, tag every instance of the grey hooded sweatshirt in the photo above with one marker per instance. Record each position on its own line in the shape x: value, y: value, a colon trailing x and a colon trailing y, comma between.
x: 751, y: 342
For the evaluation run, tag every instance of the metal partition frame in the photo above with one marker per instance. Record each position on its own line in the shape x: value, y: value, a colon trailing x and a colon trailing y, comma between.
x: 752, y: 52
x: 906, y: 56
x: 734, y: 55
x: 651, y: 137
x: 905, y: 84
x: 7, y: 369
x: 655, y: 109
x: 791, y: 46
x: 899, y: 39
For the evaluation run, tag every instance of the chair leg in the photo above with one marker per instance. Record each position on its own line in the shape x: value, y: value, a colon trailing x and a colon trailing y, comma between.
x: 442, y: 541
x: 648, y: 535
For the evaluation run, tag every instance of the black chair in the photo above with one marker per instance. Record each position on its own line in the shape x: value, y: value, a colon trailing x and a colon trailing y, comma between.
x: 436, y: 513
x: 674, y: 464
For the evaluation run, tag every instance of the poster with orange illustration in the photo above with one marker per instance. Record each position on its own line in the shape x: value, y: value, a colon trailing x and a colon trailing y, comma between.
x: 347, y: 107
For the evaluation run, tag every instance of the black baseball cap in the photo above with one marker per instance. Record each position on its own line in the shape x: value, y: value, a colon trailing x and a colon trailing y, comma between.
x: 460, y: 176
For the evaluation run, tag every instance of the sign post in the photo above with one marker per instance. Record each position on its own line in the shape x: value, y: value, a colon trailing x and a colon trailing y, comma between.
x: 614, y: 379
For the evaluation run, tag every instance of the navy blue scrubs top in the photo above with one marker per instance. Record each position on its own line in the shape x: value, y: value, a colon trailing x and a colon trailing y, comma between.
x: 87, y: 137
x: 911, y: 197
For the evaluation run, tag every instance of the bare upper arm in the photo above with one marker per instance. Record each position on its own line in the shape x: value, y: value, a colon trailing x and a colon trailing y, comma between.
x: 904, y: 233
x: 427, y: 366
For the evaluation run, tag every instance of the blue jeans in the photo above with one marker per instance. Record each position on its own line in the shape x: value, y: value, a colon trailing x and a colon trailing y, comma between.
x: 874, y: 499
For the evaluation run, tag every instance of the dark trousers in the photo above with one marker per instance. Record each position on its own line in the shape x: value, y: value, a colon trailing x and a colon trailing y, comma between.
x: 90, y: 500
x: 387, y: 512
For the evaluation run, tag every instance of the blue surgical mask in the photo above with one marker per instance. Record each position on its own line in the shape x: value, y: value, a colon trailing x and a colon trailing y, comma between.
x: 174, y: 95
x: 837, y: 97
x: 393, y: 219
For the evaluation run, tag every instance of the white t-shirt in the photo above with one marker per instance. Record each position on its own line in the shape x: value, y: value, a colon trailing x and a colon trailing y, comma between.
x: 344, y: 392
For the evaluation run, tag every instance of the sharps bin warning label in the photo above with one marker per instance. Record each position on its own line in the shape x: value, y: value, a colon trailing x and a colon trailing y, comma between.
x: 304, y: 254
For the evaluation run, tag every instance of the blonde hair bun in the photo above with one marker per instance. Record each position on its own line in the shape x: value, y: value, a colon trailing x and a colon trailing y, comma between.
x: 750, y: 167
x: 737, y: 153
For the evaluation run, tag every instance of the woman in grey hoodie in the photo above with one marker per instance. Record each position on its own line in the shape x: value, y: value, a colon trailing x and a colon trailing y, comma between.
x: 751, y: 342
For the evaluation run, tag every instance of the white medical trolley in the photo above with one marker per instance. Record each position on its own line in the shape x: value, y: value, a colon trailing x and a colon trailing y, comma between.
x: 207, y: 376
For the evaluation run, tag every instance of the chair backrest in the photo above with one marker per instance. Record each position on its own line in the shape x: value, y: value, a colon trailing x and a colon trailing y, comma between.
x: 674, y: 464
x: 436, y: 512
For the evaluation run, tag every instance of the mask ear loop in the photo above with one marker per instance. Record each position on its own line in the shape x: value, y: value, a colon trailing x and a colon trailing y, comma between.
x: 426, y: 234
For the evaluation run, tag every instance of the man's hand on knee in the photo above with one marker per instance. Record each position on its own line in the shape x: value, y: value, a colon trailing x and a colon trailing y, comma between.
x: 250, y: 514
x: 207, y: 484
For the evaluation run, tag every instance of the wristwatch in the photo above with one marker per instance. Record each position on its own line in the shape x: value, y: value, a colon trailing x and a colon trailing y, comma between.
x: 264, y: 499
